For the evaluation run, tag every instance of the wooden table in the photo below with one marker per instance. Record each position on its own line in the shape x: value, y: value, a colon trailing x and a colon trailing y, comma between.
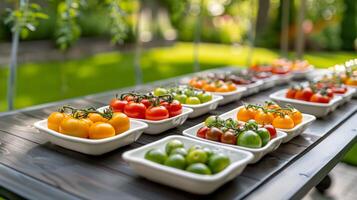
x: 33, y: 168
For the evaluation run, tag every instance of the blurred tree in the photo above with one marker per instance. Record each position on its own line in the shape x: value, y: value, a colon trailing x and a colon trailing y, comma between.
x: 349, y: 25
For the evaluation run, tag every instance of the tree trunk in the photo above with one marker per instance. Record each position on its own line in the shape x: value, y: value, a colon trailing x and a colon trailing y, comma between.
x: 11, y: 85
x: 300, y: 40
x: 263, y: 15
x: 137, y: 57
x: 284, y: 37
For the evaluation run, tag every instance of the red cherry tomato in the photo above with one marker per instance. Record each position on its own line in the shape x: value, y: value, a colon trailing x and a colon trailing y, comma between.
x: 339, y: 90
x: 304, y: 94
x: 146, y: 102
x: 271, y: 130
x: 135, y: 110
x: 291, y: 93
x: 175, y: 108
x: 202, y: 132
x: 129, y: 98
x: 117, y: 105
x: 229, y: 137
x: 318, y: 98
x: 214, y: 134
x: 329, y: 93
x: 156, y: 113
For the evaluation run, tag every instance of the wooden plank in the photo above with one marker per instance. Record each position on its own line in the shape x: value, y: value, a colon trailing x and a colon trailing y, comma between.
x: 297, y: 179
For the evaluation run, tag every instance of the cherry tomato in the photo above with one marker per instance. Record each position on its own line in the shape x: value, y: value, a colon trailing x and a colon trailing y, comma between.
x: 175, y: 108
x: 214, y: 134
x: 135, y: 110
x: 291, y: 93
x: 304, y: 94
x: 74, y: 127
x: 271, y: 130
x: 283, y: 122
x: 95, y: 117
x: 339, y: 90
x: 202, y: 132
x: 120, y: 122
x: 229, y: 137
x: 156, y: 113
x: 100, y: 130
x: 245, y: 114
x: 117, y: 105
x: 329, y: 93
x: 54, y: 120
x: 146, y: 102
x: 264, y: 118
x: 318, y: 98
x: 296, y: 116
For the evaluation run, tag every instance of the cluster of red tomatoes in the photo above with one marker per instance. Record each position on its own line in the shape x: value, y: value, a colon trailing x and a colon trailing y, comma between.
x: 146, y: 106
x: 335, y: 87
x: 310, y: 93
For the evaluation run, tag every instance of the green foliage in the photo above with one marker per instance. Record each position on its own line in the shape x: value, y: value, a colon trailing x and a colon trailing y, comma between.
x: 25, y: 18
x: 118, y: 26
x: 68, y: 30
x: 349, y: 25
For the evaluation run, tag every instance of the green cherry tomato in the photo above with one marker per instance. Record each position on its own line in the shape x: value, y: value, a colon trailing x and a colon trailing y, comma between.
x: 176, y: 161
x: 218, y: 162
x: 199, y: 168
x: 160, y: 91
x: 205, y: 97
x: 194, y: 147
x: 156, y: 155
x: 181, y: 98
x: 193, y: 100
x: 210, y: 120
x: 264, y: 135
x: 173, y: 144
x: 190, y: 93
x: 249, y: 139
x: 181, y: 151
x: 197, y: 156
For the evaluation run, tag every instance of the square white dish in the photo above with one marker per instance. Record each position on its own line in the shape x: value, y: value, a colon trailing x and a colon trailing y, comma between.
x: 231, y: 96
x: 301, y: 74
x: 187, y: 181
x: 92, y: 146
x: 252, y: 88
x: 283, y: 78
x: 316, y: 109
x: 268, y: 83
x: 347, y: 96
x: 291, y: 133
x: 201, y: 109
x: 159, y: 126
x: 258, y: 152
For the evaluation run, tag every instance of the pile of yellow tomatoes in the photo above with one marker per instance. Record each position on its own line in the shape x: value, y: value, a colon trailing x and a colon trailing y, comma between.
x: 271, y: 113
x: 88, y: 123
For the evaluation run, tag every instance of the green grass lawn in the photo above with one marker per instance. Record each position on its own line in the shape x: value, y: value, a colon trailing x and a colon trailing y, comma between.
x: 54, y: 80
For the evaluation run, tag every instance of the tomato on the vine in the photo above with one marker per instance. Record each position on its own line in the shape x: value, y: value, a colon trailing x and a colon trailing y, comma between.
x: 175, y: 108
x: 135, y: 110
x: 120, y: 122
x: 146, y: 102
x: 117, y: 105
x: 202, y: 132
x: 74, y: 127
x: 291, y: 93
x: 271, y: 130
x: 100, y: 130
x: 229, y: 137
x: 319, y: 98
x: 54, y: 120
x: 156, y: 113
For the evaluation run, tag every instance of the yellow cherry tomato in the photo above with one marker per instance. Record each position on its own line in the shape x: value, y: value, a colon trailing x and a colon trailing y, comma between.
x: 120, y: 122
x: 245, y: 114
x: 351, y: 81
x: 54, y: 120
x: 100, y: 130
x: 296, y: 116
x: 95, y: 117
x: 283, y: 122
x: 264, y: 118
x: 74, y: 127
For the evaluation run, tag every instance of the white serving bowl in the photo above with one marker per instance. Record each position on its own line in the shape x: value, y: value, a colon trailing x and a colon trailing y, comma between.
x: 252, y: 88
x: 283, y: 78
x: 258, y: 152
x: 231, y: 96
x: 187, y: 181
x: 316, y: 109
x: 201, y: 109
x: 92, y: 146
x: 159, y: 126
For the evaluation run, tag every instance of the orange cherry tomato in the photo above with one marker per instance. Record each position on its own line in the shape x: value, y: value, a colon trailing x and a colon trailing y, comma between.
x: 245, y: 114
x: 232, y: 87
x: 120, y: 122
x: 100, y: 130
x: 88, y: 121
x: 283, y: 122
x: 264, y: 118
x: 222, y: 88
x: 296, y: 116
x: 95, y: 117
x: 54, y: 120
x: 74, y: 127
x: 209, y: 87
x: 351, y: 81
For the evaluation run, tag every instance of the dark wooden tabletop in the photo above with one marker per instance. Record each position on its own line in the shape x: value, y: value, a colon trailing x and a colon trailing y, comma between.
x: 33, y: 168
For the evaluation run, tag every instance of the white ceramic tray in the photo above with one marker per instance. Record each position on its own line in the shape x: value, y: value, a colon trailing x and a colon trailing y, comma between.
x: 231, y: 96
x: 347, y: 96
x: 316, y: 109
x: 92, y: 146
x: 258, y: 152
x: 298, y: 74
x: 201, y: 109
x: 252, y: 88
x: 157, y: 127
x: 283, y: 78
x: 190, y: 182
x: 297, y: 130
x: 268, y: 82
